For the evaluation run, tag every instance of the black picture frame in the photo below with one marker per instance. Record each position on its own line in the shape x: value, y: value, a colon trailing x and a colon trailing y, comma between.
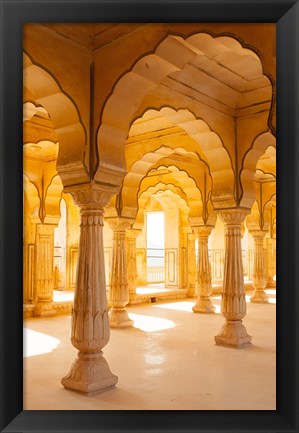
x: 14, y: 14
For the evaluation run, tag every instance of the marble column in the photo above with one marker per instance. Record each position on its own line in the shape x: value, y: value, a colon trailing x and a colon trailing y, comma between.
x: 90, y: 330
x: 191, y: 265
x: 184, y: 257
x: 259, y: 279
x: 132, y: 265
x: 233, y: 304
x: 271, y: 262
x: 119, y: 286
x: 204, y: 277
x: 44, y: 272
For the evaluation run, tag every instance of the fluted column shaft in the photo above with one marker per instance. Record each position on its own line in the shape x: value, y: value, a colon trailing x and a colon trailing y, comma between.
x: 204, y: 277
x: 233, y: 303
x: 259, y: 279
x: 184, y: 257
x: 191, y: 265
x: 44, y: 280
x: 90, y: 330
x: 119, y: 285
x: 132, y: 265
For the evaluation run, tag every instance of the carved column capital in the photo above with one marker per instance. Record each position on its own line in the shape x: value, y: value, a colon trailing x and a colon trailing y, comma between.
x: 91, y: 195
x: 46, y: 229
x: 120, y: 224
x: 133, y: 233
x: 203, y: 231
x: 258, y: 234
x: 233, y: 216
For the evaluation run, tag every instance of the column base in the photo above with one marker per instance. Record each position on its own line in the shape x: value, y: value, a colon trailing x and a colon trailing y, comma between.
x: 233, y: 334
x: 259, y: 297
x: 203, y: 305
x: 119, y: 318
x: 89, y: 374
x: 134, y: 299
x: 191, y: 291
x: 44, y: 309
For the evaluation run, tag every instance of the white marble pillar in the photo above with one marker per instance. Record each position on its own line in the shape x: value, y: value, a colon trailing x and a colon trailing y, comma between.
x: 271, y: 262
x: 233, y: 304
x: 44, y: 272
x: 204, y: 276
x: 90, y: 330
x: 119, y: 287
x: 191, y: 265
x: 259, y: 278
x: 132, y: 265
x: 184, y: 257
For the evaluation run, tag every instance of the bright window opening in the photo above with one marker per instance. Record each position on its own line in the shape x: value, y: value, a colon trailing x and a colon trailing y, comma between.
x: 155, y: 247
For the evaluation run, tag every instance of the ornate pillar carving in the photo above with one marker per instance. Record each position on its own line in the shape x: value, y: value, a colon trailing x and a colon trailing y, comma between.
x: 119, y: 286
x: 132, y: 265
x: 204, y: 277
x: 233, y: 303
x: 44, y: 270
x: 259, y: 278
x: 191, y: 265
x: 90, y: 331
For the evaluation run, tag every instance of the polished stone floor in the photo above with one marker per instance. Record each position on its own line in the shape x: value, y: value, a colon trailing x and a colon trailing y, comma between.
x: 168, y: 361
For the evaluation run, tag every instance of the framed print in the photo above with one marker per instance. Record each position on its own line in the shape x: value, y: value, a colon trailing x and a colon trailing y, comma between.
x: 144, y: 223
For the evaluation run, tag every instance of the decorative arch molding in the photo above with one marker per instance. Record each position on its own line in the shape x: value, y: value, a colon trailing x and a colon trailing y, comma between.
x: 130, y: 192
x: 251, y: 49
x: 144, y: 76
x: 45, y: 90
x: 210, y: 147
x: 32, y: 198
x: 177, y: 195
x: 185, y: 182
x: 249, y: 163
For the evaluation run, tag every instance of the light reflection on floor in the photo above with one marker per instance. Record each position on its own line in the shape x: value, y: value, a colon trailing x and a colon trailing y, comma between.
x: 37, y: 343
x: 185, y: 306
x: 150, y: 323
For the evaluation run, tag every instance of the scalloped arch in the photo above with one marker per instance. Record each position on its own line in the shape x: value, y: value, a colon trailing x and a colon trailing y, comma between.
x: 43, y: 89
x: 171, y: 55
x: 249, y: 163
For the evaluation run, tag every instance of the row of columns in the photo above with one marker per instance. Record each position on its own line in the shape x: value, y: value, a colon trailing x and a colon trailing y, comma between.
x: 124, y: 270
x: 90, y: 330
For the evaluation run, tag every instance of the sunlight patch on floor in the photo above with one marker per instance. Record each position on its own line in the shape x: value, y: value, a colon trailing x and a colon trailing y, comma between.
x: 181, y: 306
x: 150, y: 323
x: 37, y: 343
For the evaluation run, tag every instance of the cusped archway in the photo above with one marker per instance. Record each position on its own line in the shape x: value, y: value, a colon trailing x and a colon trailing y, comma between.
x: 42, y: 89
